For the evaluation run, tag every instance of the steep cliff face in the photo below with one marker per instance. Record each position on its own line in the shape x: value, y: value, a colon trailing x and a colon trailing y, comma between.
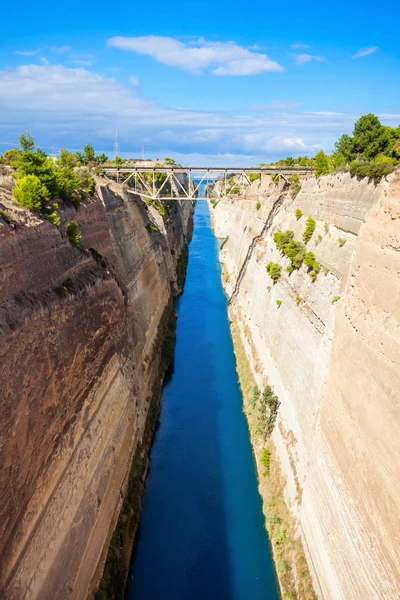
x: 334, y: 364
x: 81, y: 335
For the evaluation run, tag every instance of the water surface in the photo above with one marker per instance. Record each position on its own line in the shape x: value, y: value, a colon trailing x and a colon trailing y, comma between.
x: 202, y: 534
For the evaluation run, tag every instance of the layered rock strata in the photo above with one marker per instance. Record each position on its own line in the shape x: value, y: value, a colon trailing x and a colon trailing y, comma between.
x: 81, y: 334
x: 331, y: 350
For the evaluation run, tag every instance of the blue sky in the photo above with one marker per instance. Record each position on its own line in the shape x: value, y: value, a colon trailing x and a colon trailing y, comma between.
x: 213, y: 82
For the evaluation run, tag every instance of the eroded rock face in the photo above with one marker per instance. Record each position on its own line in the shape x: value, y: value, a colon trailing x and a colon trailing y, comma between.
x: 80, y: 347
x: 335, y: 367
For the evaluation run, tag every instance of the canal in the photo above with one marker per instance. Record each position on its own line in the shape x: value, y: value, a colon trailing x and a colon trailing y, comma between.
x: 202, y: 534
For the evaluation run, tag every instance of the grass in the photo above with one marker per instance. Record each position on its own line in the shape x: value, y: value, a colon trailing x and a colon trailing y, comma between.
x: 290, y: 561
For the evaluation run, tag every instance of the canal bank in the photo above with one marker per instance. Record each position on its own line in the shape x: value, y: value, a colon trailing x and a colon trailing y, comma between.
x: 202, y: 533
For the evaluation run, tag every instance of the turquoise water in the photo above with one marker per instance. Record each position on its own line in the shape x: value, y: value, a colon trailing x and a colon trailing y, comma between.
x: 201, y: 534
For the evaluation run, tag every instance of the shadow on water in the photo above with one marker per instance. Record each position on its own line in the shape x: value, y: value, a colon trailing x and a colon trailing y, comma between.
x: 201, y: 534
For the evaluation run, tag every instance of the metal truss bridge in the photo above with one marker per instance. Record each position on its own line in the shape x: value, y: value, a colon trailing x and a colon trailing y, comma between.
x: 191, y: 183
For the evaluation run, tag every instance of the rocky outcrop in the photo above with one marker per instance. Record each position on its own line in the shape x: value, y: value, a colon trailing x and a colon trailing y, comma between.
x: 331, y: 351
x: 81, y: 333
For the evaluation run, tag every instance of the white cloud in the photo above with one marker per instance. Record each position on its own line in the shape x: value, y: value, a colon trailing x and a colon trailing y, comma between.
x: 69, y: 106
x: 277, y: 105
x: 60, y: 49
x: 134, y: 81
x: 365, y: 51
x: 224, y: 58
x: 84, y: 63
x: 28, y: 52
x: 301, y: 59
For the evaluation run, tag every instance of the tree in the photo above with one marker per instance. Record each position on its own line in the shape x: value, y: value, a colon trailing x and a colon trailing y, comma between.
x: 30, y: 192
x: 35, y: 162
x: 67, y: 158
x: 10, y: 156
x: 345, y: 147
x: 26, y: 142
x: 321, y: 164
x: 289, y: 161
x: 88, y: 154
x: 370, y: 137
x: 80, y: 158
x: 101, y: 158
x: 118, y: 160
x: 169, y: 161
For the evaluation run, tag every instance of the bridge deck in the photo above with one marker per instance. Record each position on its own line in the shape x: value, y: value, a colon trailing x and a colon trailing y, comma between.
x: 194, y: 187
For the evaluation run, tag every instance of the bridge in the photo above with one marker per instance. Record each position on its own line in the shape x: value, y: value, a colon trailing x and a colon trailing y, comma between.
x: 175, y: 182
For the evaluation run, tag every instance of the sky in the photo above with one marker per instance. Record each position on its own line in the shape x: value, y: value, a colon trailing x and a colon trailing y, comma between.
x: 203, y: 82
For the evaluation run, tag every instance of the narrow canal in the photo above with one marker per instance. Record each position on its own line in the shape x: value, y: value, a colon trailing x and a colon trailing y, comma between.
x: 201, y: 534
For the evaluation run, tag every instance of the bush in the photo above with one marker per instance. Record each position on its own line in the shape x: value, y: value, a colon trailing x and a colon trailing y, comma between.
x: 311, y: 261
x: 258, y: 205
x: 54, y: 219
x: 268, y: 412
x: 73, y: 233
x: 255, y: 397
x: 341, y: 241
x: 309, y: 230
x: 298, y: 299
x: 30, y: 193
x: 265, y: 460
x: 274, y: 271
x: 295, y: 185
x: 373, y: 170
x: 278, y: 303
x: 282, y: 238
x: 254, y: 177
x: 296, y: 252
x: 299, y: 213
x: 335, y: 299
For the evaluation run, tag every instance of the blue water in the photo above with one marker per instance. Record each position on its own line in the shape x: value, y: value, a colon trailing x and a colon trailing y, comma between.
x: 201, y: 534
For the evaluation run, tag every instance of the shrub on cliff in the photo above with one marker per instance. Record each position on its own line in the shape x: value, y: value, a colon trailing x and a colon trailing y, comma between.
x: 268, y: 411
x: 373, y: 170
x: 309, y: 230
x: 30, y: 193
x: 321, y: 164
x: 274, y: 271
x: 295, y: 185
x: 73, y: 233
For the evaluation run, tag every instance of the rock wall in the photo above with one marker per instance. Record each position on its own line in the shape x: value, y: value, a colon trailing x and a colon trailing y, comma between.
x: 80, y: 348
x: 334, y: 363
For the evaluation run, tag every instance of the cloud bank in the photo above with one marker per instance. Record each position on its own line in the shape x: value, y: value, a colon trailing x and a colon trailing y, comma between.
x: 224, y: 58
x: 69, y: 106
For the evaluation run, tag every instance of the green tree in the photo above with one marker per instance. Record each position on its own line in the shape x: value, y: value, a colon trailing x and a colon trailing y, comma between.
x: 31, y: 162
x: 289, y: 161
x: 26, y: 142
x: 80, y: 158
x: 370, y: 137
x: 118, y: 160
x: 321, y: 164
x: 10, y: 156
x: 345, y: 148
x: 73, y: 233
x: 67, y: 158
x: 101, y: 158
x: 30, y: 193
x: 169, y: 161
x: 88, y: 154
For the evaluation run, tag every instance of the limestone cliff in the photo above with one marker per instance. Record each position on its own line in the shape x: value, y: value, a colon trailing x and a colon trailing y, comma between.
x: 81, y: 332
x: 331, y: 350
